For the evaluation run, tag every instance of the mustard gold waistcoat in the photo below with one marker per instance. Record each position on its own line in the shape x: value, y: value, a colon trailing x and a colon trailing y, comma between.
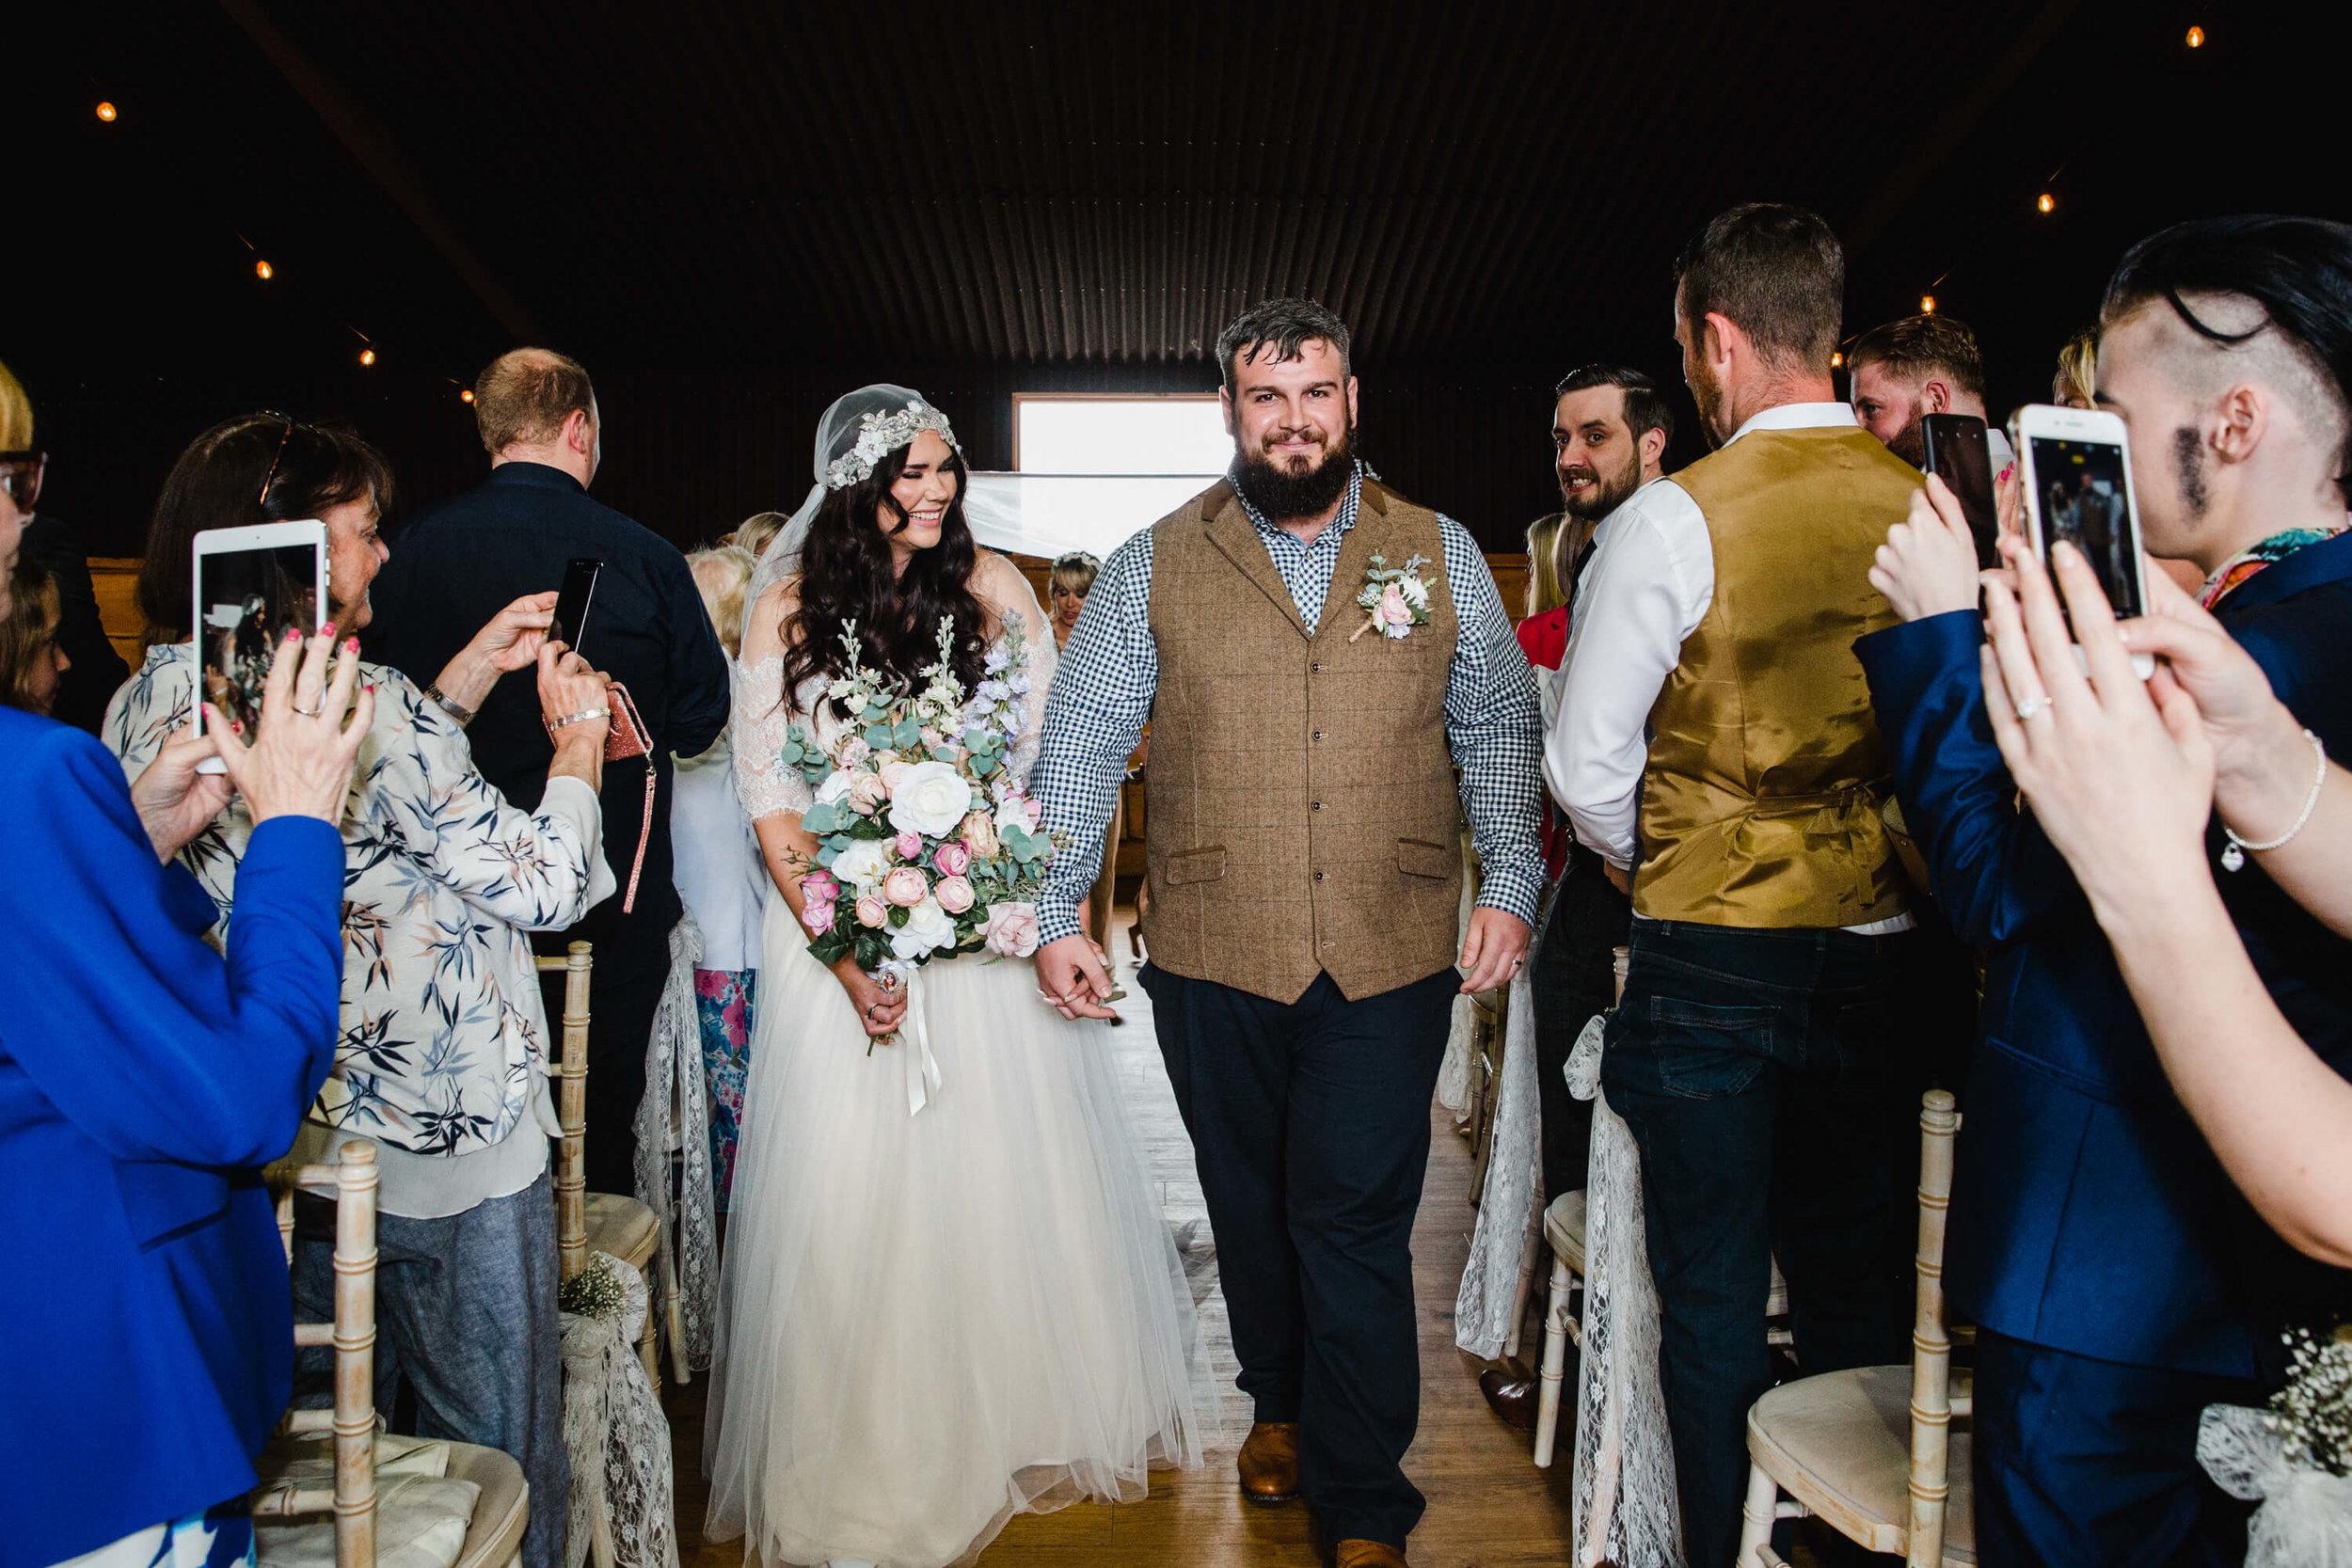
x: 1300, y: 794
x: 1760, y: 802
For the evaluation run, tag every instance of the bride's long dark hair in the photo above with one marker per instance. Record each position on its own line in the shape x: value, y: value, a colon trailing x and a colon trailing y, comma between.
x: 846, y: 576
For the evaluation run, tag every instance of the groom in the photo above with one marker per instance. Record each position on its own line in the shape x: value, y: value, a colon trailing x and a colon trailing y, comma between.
x: 1305, y: 886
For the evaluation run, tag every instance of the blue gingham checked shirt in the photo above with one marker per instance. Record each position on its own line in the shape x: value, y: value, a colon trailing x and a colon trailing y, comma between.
x: 1103, y: 692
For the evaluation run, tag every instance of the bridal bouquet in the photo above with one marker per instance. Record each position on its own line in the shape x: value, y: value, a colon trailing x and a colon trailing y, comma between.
x: 2295, y: 1457
x: 925, y: 844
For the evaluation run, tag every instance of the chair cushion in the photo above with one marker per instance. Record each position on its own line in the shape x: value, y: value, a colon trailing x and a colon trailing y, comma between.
x: 495, y: 1538
x: 1563, y: 1228
x: 622, y: 1226
x: 1840, y: 1444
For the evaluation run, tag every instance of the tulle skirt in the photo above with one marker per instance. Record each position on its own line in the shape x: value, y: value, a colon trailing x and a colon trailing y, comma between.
x: 930, y: 1323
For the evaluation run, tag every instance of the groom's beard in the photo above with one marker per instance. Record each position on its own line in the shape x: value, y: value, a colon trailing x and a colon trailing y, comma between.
x: 1283, y: 490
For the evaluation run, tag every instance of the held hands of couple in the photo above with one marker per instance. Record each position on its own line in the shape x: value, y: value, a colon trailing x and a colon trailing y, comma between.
x: 299, y: 764
x: 1074, y: 977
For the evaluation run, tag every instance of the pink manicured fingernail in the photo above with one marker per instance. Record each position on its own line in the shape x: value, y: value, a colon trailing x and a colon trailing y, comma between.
x: 350, y: 644
x: 294, y: 634
x: 371, y: 688
x: 236, y: 726
x: 327, y: 630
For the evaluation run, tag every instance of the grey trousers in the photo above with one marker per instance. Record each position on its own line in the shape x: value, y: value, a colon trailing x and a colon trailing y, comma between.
x: 465, y: 1313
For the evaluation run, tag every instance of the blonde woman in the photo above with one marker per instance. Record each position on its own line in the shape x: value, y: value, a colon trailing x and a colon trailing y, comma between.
x: 719, y: 875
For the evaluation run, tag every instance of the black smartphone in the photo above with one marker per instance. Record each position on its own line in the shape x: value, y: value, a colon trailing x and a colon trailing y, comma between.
x: 571, y: 604
x: 1958, y: 455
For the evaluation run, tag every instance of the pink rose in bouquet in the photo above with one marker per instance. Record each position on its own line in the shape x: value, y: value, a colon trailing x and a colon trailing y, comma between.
x: 868, y: 794
x: 980, y: 835
x: 816, y: 916
x: 820, y: 887
x: 952, y: 858
x: 872, y: 912
x: 905, y: 887
x: 892, y: 771
x: 954, y: 893
x: 910, y: 846
x: 1395, y: 615
x: 1011, y: 929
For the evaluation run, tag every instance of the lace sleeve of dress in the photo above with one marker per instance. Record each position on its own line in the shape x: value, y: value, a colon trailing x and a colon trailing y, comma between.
x: 765, y: 785
x: 1014, y: 600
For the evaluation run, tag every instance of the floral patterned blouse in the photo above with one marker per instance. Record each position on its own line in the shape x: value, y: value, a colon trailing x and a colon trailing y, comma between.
x: 444, y: 1035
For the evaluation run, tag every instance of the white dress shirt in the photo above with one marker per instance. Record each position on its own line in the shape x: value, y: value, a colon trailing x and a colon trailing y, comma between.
x: 1649, y: 584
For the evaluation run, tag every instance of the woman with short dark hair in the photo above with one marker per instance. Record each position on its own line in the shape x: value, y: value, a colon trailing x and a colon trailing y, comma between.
x: 444, y: 1052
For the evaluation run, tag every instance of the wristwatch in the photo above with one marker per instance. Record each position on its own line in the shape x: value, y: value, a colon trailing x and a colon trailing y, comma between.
x: 463, y: 715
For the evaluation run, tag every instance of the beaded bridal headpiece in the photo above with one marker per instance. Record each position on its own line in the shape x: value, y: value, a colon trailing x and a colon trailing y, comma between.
x: 881, y: 434
x: 859, y: 431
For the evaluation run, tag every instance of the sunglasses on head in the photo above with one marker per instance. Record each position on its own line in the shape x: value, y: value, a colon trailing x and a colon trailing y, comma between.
x: 292, y: 425
x: 20, y: 476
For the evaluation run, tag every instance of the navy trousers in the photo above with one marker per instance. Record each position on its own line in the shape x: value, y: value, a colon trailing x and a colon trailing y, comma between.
x: 1770, y: 1080
x: 2083, y: 1464
x: 1309, y: 1124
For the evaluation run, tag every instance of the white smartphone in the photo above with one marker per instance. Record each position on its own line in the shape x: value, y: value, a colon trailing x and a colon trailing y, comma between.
x: 251, y: 584
x: 2076, y: 466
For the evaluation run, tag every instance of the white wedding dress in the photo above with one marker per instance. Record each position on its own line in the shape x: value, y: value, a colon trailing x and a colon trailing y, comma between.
x: 931, y: 1321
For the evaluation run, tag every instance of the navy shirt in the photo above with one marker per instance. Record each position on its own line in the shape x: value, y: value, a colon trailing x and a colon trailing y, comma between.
x: 455, y: 567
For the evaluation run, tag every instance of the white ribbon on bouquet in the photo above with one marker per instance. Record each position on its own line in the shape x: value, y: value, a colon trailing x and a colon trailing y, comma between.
x: 914, y: 1035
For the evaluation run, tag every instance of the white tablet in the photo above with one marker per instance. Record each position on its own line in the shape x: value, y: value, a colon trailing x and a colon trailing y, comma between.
x: 251, y: 584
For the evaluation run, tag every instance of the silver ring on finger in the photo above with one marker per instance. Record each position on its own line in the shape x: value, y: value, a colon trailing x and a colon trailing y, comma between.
x: 315, y: 710
x: 2033, y: 707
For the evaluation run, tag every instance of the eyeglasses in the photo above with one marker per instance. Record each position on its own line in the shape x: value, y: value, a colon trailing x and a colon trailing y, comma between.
x: 20, y: 476
x: 270, y: 478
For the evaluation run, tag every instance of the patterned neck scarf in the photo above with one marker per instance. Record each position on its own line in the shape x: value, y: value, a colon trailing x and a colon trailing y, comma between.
x: 2243, y: 565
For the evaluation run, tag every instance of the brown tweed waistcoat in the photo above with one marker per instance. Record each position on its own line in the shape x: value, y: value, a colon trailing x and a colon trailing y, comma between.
x: 1300, y: 799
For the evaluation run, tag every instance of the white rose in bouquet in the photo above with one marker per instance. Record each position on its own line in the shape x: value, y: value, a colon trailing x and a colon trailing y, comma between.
x: 1017, y: 812
x: 835, y: 787
x: 862, y: 864
x: 926, y: 930
x: 931, y: 797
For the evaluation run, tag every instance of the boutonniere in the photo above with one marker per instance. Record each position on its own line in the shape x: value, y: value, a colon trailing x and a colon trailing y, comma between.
x: 1393, y: 599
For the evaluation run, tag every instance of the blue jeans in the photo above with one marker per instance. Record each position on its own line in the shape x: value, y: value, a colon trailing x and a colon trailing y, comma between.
x: 465, y: 1312
x: 1770, y: 1078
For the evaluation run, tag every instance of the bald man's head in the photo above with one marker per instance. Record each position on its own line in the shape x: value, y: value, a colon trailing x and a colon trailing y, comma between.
x: 526, y: 396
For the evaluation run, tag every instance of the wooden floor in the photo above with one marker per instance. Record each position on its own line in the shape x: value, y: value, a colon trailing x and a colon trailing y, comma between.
x: 1489, y: 1507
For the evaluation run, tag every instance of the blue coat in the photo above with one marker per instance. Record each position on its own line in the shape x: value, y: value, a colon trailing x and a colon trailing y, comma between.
x: 146, y: 1334
x: 2087, y: 1213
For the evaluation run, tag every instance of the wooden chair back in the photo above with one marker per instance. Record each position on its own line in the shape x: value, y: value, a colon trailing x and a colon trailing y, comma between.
x: 571, y: 1110
x: 1931, y: 1344
x: 352, y: 1500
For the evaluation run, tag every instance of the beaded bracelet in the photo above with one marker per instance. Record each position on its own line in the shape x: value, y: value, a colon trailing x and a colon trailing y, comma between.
x: 2233, y: 856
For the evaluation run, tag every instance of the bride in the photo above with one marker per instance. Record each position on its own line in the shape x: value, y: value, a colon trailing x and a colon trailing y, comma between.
x: 930, y: 1320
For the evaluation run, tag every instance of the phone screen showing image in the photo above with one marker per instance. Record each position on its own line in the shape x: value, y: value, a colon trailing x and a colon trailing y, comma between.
x: 246, y: 599
x: 2083, y: 496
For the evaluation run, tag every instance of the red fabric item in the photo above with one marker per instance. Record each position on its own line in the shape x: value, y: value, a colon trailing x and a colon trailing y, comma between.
x: 1544, y: 639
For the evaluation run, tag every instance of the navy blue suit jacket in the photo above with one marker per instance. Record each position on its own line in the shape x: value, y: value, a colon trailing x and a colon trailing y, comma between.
x: 2087, y: 1213
x: 455, y: 566
x: 146, y: 1327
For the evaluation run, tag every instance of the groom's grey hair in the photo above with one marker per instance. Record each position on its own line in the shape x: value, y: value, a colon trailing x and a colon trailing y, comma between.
x: 1278, y: 327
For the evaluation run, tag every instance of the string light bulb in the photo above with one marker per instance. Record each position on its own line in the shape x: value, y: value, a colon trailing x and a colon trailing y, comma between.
x: 2044, y: 201
x: 2197, y: 37
x: 466, y: 396
x: 367, y: 357
x: 262, y: 271
x: 1927, y: 305
x: 106, y: 111
x: 1836, y: 361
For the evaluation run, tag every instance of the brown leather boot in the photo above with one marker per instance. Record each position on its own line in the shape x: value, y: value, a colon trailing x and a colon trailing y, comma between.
x: 1368, y: 1554
x: 1269, y: 1463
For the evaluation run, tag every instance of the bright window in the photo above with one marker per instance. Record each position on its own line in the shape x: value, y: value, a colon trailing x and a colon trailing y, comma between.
x: 1071, y: 435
